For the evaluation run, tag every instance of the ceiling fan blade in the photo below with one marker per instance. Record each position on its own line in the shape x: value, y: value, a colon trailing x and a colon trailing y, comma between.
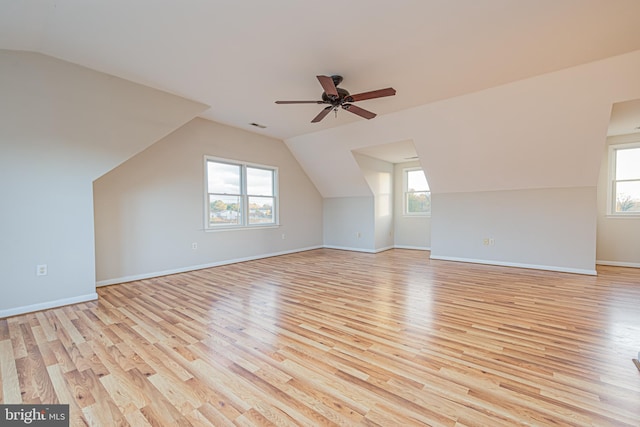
x: 300, y: 102
x: 359, y: 111
x: 322, y: 114
x: 370, y: 95
x: 328, y: 85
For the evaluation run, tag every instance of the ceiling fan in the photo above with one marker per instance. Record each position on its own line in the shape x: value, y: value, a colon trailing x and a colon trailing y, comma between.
x: 340, y: 98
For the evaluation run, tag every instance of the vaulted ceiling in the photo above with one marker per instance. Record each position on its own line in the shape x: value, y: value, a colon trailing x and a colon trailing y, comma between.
x: 238, y: 57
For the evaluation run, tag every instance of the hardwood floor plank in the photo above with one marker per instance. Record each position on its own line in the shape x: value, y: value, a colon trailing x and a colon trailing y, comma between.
x: 79, y: 386
x: 209, y: 415
x: 178, y: 393
x: 37, y: 382
x: 17, y: 340
x: 64, y: 393
x: 5, y: 334
x: 9, y: 374
x: 328, y: 337
x: 68, y: 326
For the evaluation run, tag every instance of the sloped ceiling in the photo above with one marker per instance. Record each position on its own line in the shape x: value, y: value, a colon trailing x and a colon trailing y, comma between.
x: 548, y: 131
x: 239, y: 57
x: 91, y: 121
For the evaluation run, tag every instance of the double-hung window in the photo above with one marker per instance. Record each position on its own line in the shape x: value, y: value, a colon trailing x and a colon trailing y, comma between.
x: 624, y: 178
x: 240, y: 194
x: 417, y: 196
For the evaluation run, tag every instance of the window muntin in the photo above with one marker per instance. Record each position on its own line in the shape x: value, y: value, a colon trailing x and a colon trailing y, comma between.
x: 625, y: 179
x: 239, y: 194
x: 417, y: 196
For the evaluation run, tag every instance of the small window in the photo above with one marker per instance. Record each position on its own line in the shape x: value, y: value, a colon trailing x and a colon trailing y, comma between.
x: 624, y: 175
x: 417, y: 196
x: 239, y: 194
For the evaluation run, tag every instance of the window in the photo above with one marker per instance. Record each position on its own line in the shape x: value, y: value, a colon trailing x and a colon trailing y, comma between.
x: 240, y: 194
x: 417, y: 197
x: 624, y: 175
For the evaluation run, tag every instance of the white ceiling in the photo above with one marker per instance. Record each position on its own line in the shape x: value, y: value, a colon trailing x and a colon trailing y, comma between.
x: 394, y: 152
x: 241, y: 56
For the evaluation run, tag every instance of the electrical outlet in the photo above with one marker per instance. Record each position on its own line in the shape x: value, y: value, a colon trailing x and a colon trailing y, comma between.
x: 485, y: 241
x: 41, y: 270
x: 358, y: 235
x: 194, y: 246
x: 283, y: 236
x: 492, y: 241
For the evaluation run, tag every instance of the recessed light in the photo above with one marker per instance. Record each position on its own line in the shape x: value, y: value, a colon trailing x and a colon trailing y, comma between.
x: 258, y: 125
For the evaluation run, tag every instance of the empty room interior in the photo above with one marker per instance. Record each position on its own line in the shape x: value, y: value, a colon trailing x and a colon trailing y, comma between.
x: 295, y: 213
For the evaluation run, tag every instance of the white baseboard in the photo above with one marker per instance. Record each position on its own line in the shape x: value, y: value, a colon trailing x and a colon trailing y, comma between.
x: 47, y: 305
x: 347, y: 248
x: 415, y: 248
x: 344, y: 248
x: 618, y: 263
x: 369, y: 251
x: 196, y: 267
x: 518, y: 265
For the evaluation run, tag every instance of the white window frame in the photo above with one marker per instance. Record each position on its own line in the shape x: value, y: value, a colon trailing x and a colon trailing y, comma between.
x: 611, y: 183
x: 405, y: 194
x: 244, y: 224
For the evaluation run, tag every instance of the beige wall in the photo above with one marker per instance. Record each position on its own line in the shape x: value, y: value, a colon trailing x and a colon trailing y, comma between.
x: 150, y: 210
x: 61, y: 127
x: 618, y: 239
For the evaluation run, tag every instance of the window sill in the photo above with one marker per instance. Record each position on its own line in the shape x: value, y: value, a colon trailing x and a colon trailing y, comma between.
x: 623, y: 216
x: 241, y: 228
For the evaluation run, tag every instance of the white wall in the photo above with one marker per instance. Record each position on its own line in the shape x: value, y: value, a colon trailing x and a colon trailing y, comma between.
x: 410, y: 231
x: 349, y: 223
x: 62, y: 126
x: 379, y: 177
x: 150, y: 210
x: 618, y: 239
x: 550, y: 229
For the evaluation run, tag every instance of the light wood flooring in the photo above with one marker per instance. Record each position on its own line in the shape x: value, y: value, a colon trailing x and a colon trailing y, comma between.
x: 329, y: 337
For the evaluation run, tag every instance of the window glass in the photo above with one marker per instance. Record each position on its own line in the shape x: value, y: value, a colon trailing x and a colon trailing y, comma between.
x: 625, y: 179
x: 259, y: 181
x: 417, y: 197
x: 223, y: 178
x: 628, y: 163
x: 628, y: 196
x: 239, y: 195
x: 225, y: 210
x: 417, y: 181
x: 261, y: 210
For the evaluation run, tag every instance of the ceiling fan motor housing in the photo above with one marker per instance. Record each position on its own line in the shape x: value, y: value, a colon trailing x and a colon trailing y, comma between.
x: 342, y: 94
